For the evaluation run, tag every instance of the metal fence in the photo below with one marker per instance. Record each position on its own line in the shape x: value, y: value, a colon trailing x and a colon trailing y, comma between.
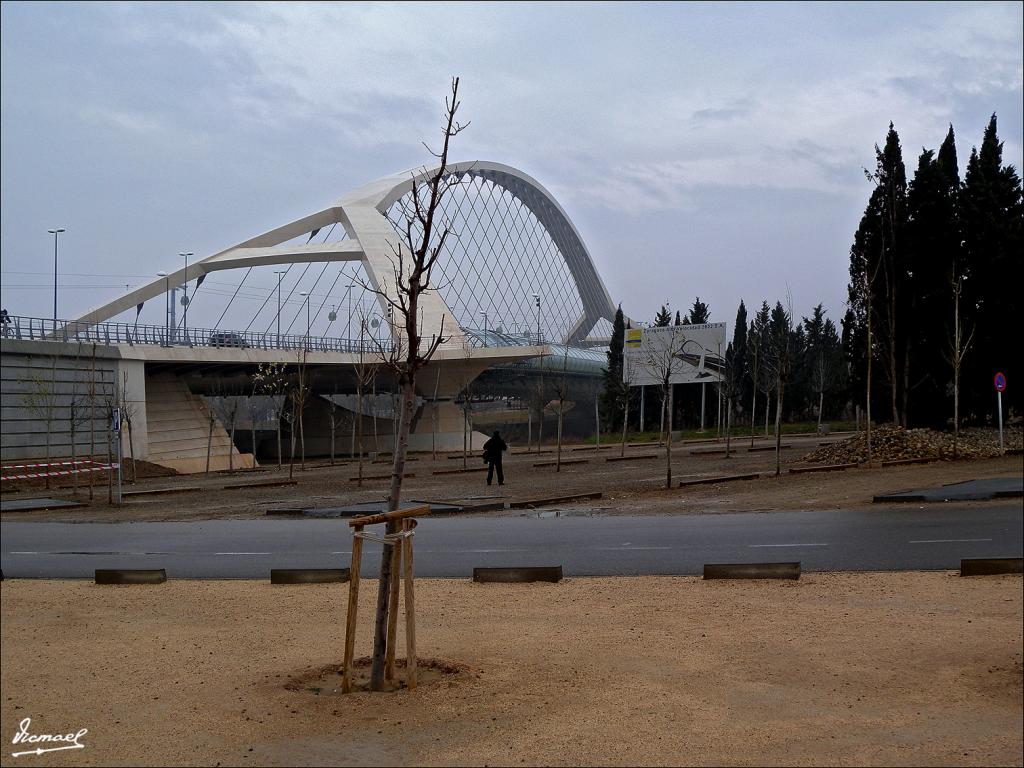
x: 45, y: 329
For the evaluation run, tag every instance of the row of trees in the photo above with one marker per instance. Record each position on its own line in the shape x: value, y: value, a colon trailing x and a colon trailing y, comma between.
x: 935, y: 284
x: 806, y: 356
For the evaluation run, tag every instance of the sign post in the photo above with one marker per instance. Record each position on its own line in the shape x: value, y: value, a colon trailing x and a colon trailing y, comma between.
x: 1000, y: 383
x: 115, y: 427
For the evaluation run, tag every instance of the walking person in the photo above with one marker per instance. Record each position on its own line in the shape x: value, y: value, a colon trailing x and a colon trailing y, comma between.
x: 493, y: 449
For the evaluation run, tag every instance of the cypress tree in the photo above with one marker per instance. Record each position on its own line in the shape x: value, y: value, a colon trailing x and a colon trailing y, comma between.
x: 614, y: 387
x: 991, y: 212
x: 933, y: 239
x: 879, y: 269
x: 739, y: 355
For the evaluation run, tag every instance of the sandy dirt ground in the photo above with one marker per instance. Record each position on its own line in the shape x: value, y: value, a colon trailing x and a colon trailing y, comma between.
x: 834, y: 669
x: 628, y: 487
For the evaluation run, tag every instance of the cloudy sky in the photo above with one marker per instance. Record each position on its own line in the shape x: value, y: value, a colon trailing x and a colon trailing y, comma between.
x: 701, y: 149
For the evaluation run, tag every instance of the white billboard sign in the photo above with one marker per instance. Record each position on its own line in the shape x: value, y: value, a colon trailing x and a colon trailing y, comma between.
x: 689, y: 353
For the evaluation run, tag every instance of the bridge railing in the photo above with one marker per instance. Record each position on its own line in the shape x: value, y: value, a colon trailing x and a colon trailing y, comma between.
x: 47, y: 329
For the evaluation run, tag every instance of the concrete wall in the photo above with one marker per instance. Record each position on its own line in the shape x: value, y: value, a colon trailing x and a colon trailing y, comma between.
x: 38, y: 391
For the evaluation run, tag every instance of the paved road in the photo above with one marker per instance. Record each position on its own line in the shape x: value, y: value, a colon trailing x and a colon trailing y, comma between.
x: 586, y: 546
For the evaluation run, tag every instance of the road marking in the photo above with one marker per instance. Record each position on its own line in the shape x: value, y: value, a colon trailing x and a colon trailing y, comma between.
x: 945, y: 541
x: 241, y: 553
x: 627, y: 548
x: 787, y: 545
x: 22, y: 553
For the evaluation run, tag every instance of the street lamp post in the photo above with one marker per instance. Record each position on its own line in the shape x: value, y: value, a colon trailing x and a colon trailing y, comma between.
x: 167, y: 310
x: 280, y: 274
x: 184, y: 299
x: 55, y: 232
x: 536, y: 298
x: 348, y: 326
x: 485, y: 327
x: 306, y: 297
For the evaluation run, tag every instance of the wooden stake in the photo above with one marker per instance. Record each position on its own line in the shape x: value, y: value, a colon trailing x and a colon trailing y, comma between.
x: 410, y: 611
x: 389, y: 658
x: 353, y: 607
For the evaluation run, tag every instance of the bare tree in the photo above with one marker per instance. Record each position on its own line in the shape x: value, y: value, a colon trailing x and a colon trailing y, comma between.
x: 128, y: 410
x: 271, y: 380
x: 226, y: 406
x: 958, y: 347
x: 365, y: 370
x: 41, y: 400
x: 465, y: 398
x: 422, y: 241
x: 300, y: 395
x: 562, y: 393
x: 825, y: 372
x: 730, y: 388
x: 663, y: 361
x: 628, y: 374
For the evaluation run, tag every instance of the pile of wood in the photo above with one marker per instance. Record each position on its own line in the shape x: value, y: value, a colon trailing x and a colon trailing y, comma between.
x: 892, y: 443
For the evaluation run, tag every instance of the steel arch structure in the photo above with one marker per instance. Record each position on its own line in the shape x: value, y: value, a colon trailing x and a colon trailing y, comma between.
x: 523, y: 223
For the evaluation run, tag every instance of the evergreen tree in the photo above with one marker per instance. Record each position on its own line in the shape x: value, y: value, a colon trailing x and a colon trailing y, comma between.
x: 739, y: 347
x: 678, y: 320
x: 991, y: 212
x: 933, y: 239
x: 663, y: 318
x: 879, y: 274
x: 759, y: 346
x: 614, y: 387
x: 699, y: 312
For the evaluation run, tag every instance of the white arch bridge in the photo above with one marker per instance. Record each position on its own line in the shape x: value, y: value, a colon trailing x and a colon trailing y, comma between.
x: 514, y: 283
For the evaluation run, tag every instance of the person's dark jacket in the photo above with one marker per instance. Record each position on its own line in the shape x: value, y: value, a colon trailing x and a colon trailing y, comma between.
x: 493, y: 449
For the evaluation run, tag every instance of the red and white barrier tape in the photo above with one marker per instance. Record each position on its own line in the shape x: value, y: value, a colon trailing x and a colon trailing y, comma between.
x: 99, y: 468
x: 52, y: 464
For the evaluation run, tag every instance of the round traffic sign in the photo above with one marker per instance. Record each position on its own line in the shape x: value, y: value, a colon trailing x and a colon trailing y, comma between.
x: 1000, y: 382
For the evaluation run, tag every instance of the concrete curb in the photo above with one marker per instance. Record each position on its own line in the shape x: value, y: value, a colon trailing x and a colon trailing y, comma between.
x: 129, y: 576
x: 157, y: 491
x: 564, y: 461
x: 458, y: 471
x: 308, y: 575
x: 991, y: 566
x: 767, y: 448
x: 922, y: 460
x: 270, y: 484
x: 633, y: 458
x: 531, y: 503
x: 714, y: 452
x: 752, y: 571
x: 524, y: 575
x: 722, y: 479
x: 821, y: 468
x: 379, y: 477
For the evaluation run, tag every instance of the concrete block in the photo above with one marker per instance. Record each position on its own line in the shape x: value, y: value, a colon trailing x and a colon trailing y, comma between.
x: 518, y: 575
x: 127, y: 576
x: 308, y: 575
x: 752, y: 571
x: 991, y: 566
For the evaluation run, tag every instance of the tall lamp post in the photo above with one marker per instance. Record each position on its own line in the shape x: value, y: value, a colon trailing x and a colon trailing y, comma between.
x: 280, y: 273
x: 536, y: 299
x: 55, y: 232
x: 485, y: 327
x: 167, y: 306
x: 184, y: 299
x: 306, y: 297
x: 348, y: 327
